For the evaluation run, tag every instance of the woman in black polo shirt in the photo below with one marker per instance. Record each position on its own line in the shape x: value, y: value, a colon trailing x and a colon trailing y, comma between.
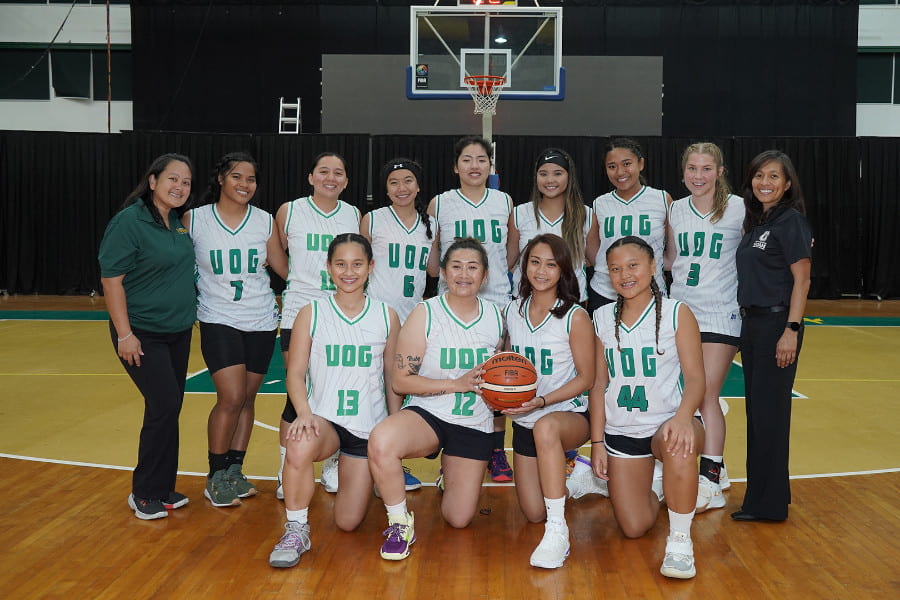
x: 773, y: 265
x: 147, y: 271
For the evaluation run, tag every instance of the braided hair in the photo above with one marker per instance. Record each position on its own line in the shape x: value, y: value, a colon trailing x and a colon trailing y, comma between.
x: 654, y: 288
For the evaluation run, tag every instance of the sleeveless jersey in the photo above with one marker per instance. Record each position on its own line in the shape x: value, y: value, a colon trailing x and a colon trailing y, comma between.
x: 547, y: 346
x: 453, y: 348
x: 644, y: 387
x: 309, y: 232
x: 345, y: 380
x: 643, y: 216
x: 488, y: 222
x: 401, y: 258
x: 704, y: 274
x: 523, y: 217
x: 232, y: 283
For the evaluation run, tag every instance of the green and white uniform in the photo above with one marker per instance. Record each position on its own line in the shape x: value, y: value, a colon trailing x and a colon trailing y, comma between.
x: 309, y: 232
x: 453, y: 348
x: 547, y: 346
x: 232, y: 282
x: 523, y: 218
x: 401, y: 259
x: 704, y: 274
x: 644, y: 387
x: 643, y: 216
x: 488, y: 222
x: 345, y: 378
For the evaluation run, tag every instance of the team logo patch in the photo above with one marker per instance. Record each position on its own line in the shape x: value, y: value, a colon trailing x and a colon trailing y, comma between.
x: 761, y: 242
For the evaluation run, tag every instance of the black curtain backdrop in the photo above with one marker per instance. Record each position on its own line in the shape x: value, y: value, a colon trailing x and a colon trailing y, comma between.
x: 730, y: 67
x: 58, y: 191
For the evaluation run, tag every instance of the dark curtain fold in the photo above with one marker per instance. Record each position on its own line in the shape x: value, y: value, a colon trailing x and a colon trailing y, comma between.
x: 879, y: 215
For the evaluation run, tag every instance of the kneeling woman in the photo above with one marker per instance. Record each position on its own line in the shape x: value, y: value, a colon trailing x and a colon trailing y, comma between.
x: 441, y: 348
x: 547, y: 325
x: 336, y: 380
x: 645, y: 344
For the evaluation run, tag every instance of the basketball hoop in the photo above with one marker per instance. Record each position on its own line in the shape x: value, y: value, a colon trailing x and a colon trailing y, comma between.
x: 485, y: 90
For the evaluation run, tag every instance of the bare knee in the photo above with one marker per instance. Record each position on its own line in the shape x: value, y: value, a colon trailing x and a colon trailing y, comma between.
x: 534, y: 516
x: 457, y: 519
x: 634, y: 530
x: 345, y: 523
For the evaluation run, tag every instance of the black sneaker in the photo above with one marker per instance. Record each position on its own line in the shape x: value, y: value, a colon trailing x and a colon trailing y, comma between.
x: 175, y: 500
x: 147, y: 509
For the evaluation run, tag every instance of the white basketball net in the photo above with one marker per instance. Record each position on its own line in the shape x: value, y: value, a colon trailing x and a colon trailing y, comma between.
x: 485, y: 90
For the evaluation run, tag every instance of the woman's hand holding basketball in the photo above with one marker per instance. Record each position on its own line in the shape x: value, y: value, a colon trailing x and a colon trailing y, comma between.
x: 527, y: 406
x: 469, y: 382
x: 129, y: 350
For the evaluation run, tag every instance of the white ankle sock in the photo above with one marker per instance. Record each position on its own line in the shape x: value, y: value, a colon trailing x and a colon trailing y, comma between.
x: 556, y: 509
x: 680, y: 523
x: 300, y: 516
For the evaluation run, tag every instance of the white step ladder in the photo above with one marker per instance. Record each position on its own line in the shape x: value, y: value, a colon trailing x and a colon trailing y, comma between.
x: 289, y: 116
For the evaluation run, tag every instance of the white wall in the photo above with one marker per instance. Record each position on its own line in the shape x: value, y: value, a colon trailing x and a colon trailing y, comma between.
x: 37, y: 24
x: 879, y: 27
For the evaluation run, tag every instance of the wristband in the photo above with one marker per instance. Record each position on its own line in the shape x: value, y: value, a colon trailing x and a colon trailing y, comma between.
x: 122, y: 339
x: 600, y: 442
x: 543, y: 401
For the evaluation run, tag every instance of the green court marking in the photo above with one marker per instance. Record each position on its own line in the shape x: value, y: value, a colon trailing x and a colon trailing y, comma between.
x: 54, y: 315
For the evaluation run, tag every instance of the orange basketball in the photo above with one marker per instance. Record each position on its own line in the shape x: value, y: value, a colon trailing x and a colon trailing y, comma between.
x: 509, y: 380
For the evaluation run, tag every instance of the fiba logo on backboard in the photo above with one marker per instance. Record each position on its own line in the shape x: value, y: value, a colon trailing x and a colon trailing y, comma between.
x: 421, y: 77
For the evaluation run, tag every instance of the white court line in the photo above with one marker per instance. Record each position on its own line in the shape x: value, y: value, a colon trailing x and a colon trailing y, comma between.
x: 193, y: 473
x: 265, y: 426
x: 793, y: 391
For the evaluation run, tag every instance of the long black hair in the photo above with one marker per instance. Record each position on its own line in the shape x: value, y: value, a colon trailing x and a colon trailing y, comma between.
x: 793, y: 195
x: 566, y: 288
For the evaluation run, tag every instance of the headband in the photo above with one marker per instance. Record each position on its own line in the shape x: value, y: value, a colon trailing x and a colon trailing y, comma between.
x: 399, y: 164
x: 553, y: 156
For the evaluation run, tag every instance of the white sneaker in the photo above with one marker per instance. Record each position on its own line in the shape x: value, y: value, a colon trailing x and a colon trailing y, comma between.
x: 723, y: 478
x: 709, y: 495
x: 292, y: 544
x: 279, y: 490
x: 679, y: 559
x: 657, y: 485
x: 551, y: 553
x: 329, y: 477
x: 582, y: 481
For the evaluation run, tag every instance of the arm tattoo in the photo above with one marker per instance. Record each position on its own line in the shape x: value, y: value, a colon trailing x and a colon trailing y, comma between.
x: 415, y: 364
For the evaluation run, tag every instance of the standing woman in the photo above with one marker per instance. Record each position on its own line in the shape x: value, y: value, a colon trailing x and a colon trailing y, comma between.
x: 773, y: 266
x: 403, y: 240
x: 336, y: 377
x: 649, y: 383
x: 556, y: 206
x: 306, y: 227
x: 147, y: 271
x: 474, y: 210
x: 631, y: 208
x: 704, y: 232
x: 438, y: 362
x: 551, y: 329
x: 233, y: 243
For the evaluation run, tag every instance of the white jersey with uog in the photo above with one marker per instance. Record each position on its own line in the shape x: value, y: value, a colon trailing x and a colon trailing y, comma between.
x: 529, y: 228
x: 345, y: 379
x: 644, y: 387
x: 488, y: 222
x: 401, y: 258
x: 232, y: 282
x: 546, y: 345
x: 309, y: 232
x: 704, y: 274
x: 644, y: 216
x: 453, y: 348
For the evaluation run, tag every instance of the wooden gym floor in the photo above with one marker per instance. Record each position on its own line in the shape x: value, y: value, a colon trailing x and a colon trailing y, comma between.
x: 68, y: 437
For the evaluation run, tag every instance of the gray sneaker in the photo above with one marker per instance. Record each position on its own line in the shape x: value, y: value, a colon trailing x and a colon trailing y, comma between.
x: 679, y: 559
x: 242, y: 487
x: 292, y: 544
x: 220, y: 490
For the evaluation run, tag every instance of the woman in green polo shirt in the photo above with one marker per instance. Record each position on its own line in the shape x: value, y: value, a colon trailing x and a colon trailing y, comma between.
x: 147, y: 271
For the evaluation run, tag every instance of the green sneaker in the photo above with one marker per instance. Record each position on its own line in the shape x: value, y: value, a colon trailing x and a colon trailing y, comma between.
x: 220, y: 490
x: 242, y: 487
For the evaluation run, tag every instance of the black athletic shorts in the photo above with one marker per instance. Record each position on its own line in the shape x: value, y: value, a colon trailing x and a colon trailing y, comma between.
x: 285, y: 340
x: 708, y: 337
x: 223, y: 346
x: 456, y: 440
x: 351, y: 445
x: 623, y: 446
x: 523, y: 438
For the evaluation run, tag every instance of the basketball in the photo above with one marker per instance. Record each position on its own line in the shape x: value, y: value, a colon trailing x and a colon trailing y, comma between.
x: 509, y: 380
